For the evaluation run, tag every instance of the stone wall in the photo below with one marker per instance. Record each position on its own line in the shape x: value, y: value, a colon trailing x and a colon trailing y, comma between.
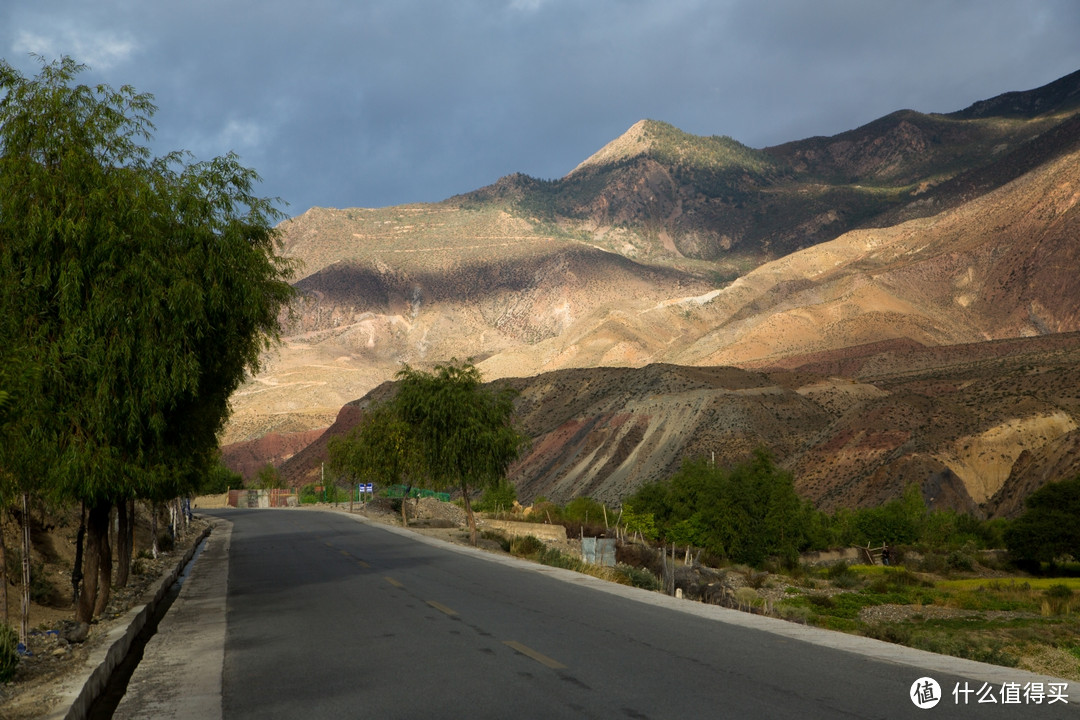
x: 542, y: 531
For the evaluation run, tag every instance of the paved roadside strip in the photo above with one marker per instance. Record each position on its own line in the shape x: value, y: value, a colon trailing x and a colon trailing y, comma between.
x: 181, y: 668
x: 79, y: 692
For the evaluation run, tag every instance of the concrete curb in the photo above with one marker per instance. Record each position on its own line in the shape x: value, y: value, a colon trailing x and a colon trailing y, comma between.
x: 78, y: 694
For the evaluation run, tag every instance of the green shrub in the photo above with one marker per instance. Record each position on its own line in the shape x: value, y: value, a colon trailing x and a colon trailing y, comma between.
x: 957, y: 560
x: 526, y: 546
x: 1057, y: 600
x: 497, y: 498
x: 838, y: 624
x: 962, y: 646
x: 756, y: 579
x: 268, y: 478
x: 1059, y: 591
x: 9, y: 653
x: 846, y: 580
x: 638, y: 577
x: 897, y: 633
x: 794, y: 613
x: 545, y: 511
x: 896, y: 580
x: 837, y: 569
x: 1048, y: 529
x: 933, y: 563
x: 498, y: 537
x: 335, y: 494
x: 584, y: 510
x: 555, y: 558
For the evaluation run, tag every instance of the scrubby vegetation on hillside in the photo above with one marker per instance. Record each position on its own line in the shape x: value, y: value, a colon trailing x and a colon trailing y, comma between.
x: 751, y: 513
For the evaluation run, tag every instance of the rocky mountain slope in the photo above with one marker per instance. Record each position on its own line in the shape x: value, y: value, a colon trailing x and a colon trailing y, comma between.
x: 975, y: 426
x: 912, y: 233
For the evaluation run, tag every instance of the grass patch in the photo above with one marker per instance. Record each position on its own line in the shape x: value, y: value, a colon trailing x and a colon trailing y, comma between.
x: 1046, y: 596
x: 1013, y: 583
x: 1047, y: 645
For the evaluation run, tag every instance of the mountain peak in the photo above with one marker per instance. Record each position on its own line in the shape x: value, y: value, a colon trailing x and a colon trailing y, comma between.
x: 630, y: 144
x: 671, y: 146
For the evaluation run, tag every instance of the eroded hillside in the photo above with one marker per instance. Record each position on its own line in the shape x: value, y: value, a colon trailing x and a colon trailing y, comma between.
x: 974, y: 425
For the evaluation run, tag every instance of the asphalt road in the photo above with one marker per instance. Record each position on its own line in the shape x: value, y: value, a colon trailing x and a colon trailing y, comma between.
x: 330, y: 617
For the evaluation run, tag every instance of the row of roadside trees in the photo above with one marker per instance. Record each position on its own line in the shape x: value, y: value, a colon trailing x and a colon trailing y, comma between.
x: 136, y: 292
x: 751, y: 513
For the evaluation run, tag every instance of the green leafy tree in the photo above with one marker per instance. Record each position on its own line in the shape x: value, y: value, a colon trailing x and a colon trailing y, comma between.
x: 268, y: 478
x: 748, y: 513
x: 383, y: 449
x: 139, y: 290
x: 642, y: 523
x: 498, y: 498
x: 584, y: 510
x: 1048, y: 529
x: 464, y: 429
x: 219, y: 479
x: 897, y: 522
x: 6, y: 492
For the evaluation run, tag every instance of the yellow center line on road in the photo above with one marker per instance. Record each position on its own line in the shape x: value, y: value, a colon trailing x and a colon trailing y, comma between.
x: 394, y: 582
x: 363, y: 564
x: 442, y: 608
x: 346, y: 553
x: 538, y: 657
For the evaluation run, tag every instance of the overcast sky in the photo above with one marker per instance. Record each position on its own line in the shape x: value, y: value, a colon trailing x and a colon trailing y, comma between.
x: 367, y: 103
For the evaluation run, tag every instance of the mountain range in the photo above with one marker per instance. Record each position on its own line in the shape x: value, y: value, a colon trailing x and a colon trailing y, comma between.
x: 890, y: 305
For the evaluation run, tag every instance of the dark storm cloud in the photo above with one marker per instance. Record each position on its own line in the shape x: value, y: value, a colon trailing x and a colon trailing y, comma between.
x: 346, y: 103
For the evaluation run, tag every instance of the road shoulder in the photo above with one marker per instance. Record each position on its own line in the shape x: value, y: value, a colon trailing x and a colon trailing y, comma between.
x: 180, y: 674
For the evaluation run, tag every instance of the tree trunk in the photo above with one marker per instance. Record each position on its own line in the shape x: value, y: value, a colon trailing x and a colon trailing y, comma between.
x: 25, y: 625
x: 469, y: 514
x: 104, y: 590
x: 77, y: 570
x: 3, y: 571
x: 97, y: 570
x: 131, y: 532
x: 404, y: 506
x: 181, y: 516
x: 125, y: 524
x: 153, y: 530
